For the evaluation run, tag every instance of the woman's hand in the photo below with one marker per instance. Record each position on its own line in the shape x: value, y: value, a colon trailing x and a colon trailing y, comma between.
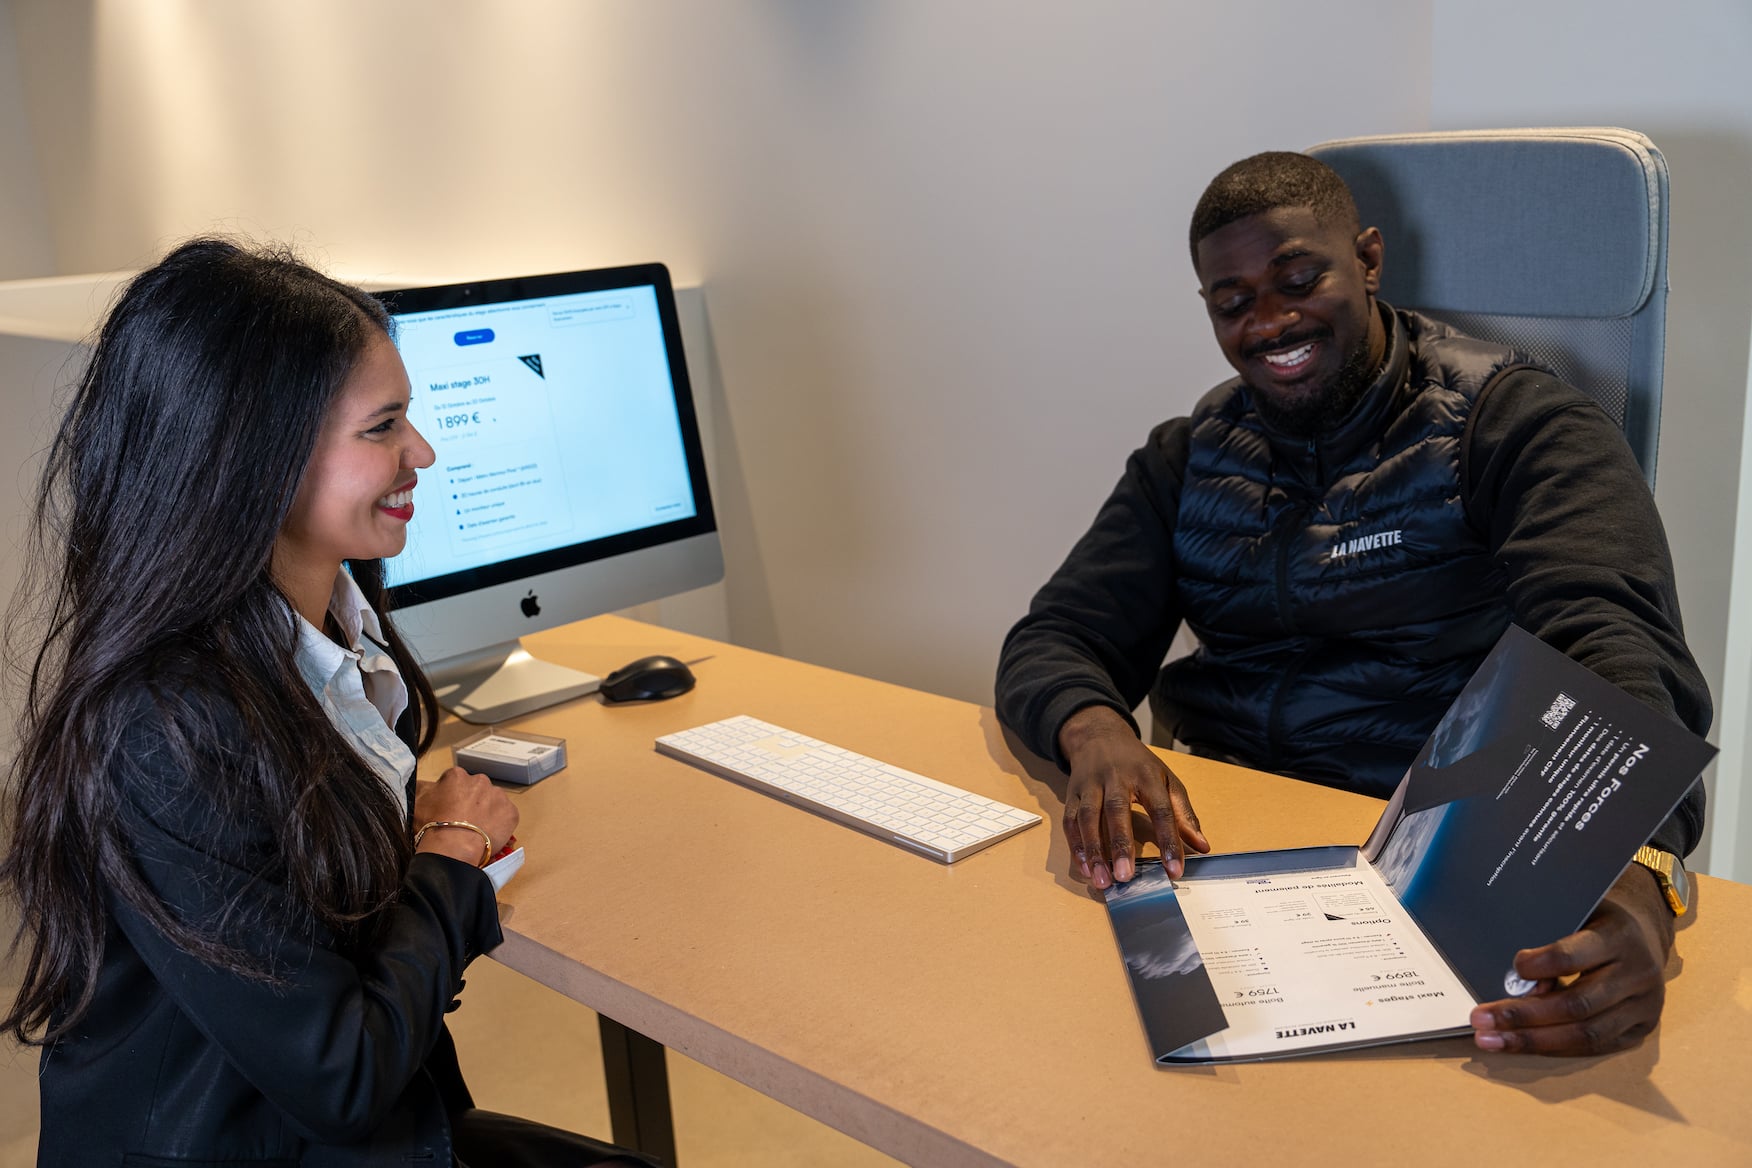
x: 458, y: 795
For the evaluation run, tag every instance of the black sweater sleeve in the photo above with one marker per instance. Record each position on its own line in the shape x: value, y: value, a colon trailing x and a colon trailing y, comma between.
x: 1552, y: 484
x: 1096, y: 633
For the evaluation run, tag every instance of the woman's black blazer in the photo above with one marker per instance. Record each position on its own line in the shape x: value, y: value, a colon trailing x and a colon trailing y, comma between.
x: 344, y: 1060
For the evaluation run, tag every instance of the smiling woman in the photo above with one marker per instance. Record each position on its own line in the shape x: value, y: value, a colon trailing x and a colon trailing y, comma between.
x: 237, y: 949
x: 357, y: 495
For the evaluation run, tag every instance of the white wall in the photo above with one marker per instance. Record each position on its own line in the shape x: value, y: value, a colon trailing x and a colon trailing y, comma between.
x: 1679, y: 75
x: 940, y: 239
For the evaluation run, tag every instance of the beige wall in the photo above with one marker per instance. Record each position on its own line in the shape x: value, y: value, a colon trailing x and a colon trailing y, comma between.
x: 25, y: 245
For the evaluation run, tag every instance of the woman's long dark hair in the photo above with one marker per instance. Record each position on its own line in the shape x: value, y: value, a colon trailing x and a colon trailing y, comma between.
x: 148, y: 596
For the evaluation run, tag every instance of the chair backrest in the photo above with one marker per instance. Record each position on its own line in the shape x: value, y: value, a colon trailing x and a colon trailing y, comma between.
x: 1550, y: 240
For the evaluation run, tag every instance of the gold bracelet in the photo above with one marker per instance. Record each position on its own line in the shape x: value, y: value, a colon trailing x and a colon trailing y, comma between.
x: 486, y: 840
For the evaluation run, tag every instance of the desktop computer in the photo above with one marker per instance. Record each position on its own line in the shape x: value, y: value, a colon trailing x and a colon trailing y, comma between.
x: 569, y: 478
x: 569, y: 481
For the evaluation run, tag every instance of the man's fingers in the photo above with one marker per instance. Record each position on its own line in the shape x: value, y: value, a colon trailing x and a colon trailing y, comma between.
x: 1083, y: 833
x: 1569, y: 955
x: 1623, y: 1025
x: 1164, y: 824
x: 1116, y: 817
x: 1109, y: 769
x: 1174, y: 823
x: 1569, y: 1004
x: 1593, y: 996
x: 1600, y: 989
x: 1190, y: 830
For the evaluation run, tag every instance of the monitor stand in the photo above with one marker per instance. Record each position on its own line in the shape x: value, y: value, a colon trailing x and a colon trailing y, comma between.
x: 502, y: 681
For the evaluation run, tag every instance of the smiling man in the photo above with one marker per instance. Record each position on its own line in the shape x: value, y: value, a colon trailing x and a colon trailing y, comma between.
x: 1348, y: 526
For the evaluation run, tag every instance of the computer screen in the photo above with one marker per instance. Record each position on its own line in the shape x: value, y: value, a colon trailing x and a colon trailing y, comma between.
x: 569, y: 478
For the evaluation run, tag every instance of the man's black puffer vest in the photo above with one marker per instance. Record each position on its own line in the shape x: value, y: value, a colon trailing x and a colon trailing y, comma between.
x: 1339, y: 594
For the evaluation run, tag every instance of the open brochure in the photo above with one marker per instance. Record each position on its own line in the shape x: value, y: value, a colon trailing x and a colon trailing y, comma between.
x: 1516, y: 817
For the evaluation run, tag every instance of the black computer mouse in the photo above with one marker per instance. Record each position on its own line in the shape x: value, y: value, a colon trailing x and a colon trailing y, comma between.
x: 648, y: 679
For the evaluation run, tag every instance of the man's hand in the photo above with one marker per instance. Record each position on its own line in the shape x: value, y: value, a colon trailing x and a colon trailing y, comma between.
x: 1617, y: 992
x: 1111, y: 770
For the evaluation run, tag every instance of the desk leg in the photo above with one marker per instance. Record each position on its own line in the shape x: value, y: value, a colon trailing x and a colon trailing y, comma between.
x: 638, y: 1091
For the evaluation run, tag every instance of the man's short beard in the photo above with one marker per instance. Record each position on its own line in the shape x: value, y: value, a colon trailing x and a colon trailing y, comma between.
x: 1315, y: 414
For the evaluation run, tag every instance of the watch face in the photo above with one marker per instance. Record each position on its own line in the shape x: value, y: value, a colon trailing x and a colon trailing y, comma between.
x: 1681, y: 883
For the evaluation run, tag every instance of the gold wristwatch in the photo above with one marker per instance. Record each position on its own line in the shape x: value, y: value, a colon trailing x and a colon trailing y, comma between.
x: 1669, y: 874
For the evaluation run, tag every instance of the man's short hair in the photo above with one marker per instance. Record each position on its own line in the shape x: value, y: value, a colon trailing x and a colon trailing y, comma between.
x: 1265, y: 182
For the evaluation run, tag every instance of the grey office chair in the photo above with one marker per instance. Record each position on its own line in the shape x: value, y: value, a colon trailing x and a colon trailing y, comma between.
x: 1550, y: 240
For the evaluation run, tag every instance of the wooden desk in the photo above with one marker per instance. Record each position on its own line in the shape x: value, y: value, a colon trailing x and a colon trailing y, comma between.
x: 980, y: 1014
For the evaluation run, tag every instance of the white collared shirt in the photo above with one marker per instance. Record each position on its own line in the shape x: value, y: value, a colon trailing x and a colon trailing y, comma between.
x: 360, y: 689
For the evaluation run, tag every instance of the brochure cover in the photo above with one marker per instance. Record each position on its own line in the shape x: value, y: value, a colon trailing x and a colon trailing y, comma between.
x: 1516, y: 817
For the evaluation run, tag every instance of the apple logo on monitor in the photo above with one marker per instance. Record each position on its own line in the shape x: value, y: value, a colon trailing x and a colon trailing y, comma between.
x: 529, y: 604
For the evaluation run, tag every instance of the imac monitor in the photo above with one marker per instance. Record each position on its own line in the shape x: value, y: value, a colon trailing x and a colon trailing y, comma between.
x: 569, y: 478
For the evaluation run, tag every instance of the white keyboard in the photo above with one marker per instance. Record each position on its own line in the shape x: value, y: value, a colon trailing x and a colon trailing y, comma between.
x: 944, y: 822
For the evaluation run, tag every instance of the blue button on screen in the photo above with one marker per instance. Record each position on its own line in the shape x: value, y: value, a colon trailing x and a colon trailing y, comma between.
x: 474, y: 336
